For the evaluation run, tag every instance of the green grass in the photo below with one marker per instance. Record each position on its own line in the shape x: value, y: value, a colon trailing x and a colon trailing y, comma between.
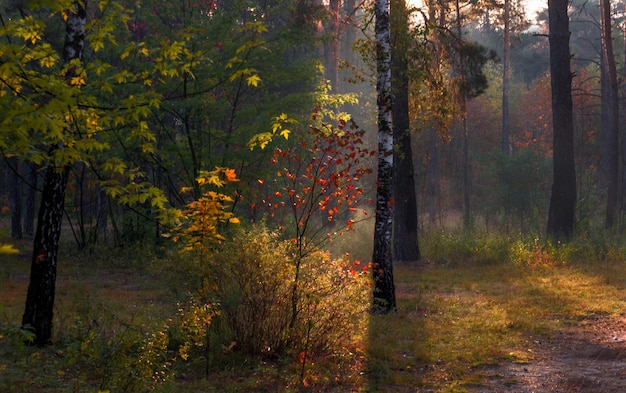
x: 470, y: 304
x: 460, y: 315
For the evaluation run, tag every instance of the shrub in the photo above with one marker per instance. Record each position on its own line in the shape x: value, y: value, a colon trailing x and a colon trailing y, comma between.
x: 268, y: 310
x: 102, y: 350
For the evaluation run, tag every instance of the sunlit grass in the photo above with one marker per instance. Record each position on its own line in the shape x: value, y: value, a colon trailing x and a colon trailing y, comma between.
x: 472, y: 303
x: 459, y: 314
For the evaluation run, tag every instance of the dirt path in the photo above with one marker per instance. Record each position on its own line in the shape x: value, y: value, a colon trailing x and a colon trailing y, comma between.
x: 590, y: 357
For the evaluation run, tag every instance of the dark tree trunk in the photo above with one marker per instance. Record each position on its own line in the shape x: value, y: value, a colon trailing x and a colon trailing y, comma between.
x: 610, y: 116
x: 563, y: 199
x: 102, y: 212
x: 384, y: 300
x: 623, y: 118
x: 405, y: 243
x: 15, y: 197
x: 31, y: 193
x: 38, y: 313
x: 40, y: 298
x: 506, y: 78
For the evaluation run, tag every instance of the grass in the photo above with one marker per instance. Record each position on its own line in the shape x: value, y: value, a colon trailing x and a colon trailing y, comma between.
x: 475, y: 303
x: 455, y: 320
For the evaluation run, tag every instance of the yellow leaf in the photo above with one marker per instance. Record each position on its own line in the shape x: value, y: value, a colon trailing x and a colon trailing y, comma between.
x: 8, y: 249
x: 253, y: 80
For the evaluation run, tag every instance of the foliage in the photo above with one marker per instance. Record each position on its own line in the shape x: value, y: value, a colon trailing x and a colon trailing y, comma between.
x: 198, y: 225
x: 252, y: 278
x: 190, y: 333
x: 8, y: 249
x: 96, y: 350
x: 319, y: 179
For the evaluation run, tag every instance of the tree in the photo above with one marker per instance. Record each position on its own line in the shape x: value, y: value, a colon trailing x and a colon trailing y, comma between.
x: 563, y: 199
x: 506, y: 79
x: 51, y: 116
x: 384, y: 290
x: 610, y: 115
x: 405, y: 242
x: 15, y: 197
x: 38, y: 312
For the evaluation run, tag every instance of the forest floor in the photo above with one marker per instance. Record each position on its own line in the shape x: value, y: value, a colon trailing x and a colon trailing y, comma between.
x: 473, y: 327
x: 589, y: 357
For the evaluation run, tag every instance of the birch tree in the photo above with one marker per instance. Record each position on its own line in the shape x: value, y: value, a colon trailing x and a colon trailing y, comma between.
x: 38, y: 312
x: 384, y: 291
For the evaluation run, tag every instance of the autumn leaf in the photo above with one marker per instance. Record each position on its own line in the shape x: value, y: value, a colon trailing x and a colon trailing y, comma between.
x: 253, y: 80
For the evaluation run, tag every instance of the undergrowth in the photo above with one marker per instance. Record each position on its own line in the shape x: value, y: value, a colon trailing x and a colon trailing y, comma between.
x: 222, y: 323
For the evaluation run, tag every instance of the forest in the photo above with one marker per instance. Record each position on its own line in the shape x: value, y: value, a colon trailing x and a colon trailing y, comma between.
x: 307, y: 195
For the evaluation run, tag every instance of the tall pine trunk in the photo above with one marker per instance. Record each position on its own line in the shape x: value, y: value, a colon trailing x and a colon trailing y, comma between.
x: 563, y: 199
x: 38, y: 313
x: 506, y: 79
x: 622, y: 195
x: 610, y: 116
x: 405, y: 243
x: 384, y: 300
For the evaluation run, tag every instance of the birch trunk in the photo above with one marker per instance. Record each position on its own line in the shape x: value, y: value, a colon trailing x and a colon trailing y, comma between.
x: 384, y: 291
x: 38, y: 313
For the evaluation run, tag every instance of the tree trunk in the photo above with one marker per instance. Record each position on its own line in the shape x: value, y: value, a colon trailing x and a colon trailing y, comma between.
x: 31, y: 193
x: 350, y: 31
x: 623, y: 116
x: 467, y: 211
x: 563, y: 199
x: 38, y: 313
x: 434, y: 189
x: 102, y: 212
x: 384, y: 300
x: 506, y: 78
x: 463, y: 97
x: 15, y: 197
x: 41, y: 289
x: 405, y: 243
x: 332, y: 58
x: 610, y: 115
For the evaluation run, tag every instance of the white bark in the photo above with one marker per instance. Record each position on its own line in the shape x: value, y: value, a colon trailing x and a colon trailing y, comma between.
x: 384, y: 291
